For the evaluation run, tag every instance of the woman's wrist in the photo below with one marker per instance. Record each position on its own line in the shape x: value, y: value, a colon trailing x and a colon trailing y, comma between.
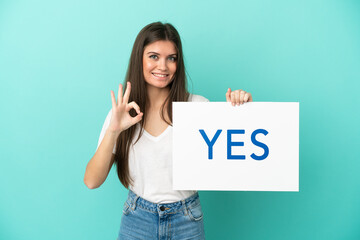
x: 113, y: 133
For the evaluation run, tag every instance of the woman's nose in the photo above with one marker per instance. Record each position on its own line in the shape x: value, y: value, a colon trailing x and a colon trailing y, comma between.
x: 162, y: 65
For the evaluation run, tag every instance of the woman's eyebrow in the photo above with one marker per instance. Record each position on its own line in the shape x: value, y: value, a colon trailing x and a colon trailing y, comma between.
x: 159, y: 54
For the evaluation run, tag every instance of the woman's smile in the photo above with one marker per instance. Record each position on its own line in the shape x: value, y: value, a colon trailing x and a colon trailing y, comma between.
x: 160, y: 76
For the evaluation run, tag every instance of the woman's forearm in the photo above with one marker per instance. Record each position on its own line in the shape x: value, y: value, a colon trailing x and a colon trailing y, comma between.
x: 100, y: 164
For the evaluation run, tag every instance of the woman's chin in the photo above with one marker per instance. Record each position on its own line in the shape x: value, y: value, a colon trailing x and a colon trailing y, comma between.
x: 158, y: 84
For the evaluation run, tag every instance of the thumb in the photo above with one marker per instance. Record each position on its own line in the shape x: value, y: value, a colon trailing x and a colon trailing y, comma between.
x: 228, y: 98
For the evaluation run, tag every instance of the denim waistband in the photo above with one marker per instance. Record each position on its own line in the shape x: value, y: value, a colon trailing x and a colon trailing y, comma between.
x: 135, y: 200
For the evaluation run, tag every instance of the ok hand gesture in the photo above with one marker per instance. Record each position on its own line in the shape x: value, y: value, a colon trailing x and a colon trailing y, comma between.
x: 121, y: 118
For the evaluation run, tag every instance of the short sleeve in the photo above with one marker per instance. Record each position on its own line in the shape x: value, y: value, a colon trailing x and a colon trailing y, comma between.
x: 103, y: 130
x: 197, y: 98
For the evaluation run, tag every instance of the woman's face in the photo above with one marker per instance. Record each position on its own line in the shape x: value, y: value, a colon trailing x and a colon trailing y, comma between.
x: 159, y: 63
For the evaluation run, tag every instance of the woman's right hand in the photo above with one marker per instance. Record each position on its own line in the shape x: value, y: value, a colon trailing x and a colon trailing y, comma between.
x: 121, y: 118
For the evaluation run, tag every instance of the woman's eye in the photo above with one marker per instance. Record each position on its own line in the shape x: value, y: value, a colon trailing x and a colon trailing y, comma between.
x: 153, y: 56
x: 173, y: 59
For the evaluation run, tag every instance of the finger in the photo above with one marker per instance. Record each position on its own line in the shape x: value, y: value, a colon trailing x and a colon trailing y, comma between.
x: 228, y: 99
x: 250, y: 98
x: 120, y: 92
x: 247, y: 97
x: 237, y: 97
x: 242, y: 95
x: 137, y: 118
x: 127, y: 92
x: 113, y: 101
x: 134, y: 106
x: 232, y: 98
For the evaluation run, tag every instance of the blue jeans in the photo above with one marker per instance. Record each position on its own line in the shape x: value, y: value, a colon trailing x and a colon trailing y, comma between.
x: 142, y: 219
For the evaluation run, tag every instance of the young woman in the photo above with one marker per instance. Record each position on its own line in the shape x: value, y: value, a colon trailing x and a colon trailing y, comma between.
x: 137, y: 136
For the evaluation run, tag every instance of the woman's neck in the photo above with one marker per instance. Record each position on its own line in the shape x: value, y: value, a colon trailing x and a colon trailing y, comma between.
x: 157, y: 96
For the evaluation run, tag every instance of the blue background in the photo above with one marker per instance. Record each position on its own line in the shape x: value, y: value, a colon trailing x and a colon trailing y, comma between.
x: 60, y: 59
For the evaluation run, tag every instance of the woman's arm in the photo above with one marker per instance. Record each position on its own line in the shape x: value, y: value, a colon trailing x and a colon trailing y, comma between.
x: 100, y: 164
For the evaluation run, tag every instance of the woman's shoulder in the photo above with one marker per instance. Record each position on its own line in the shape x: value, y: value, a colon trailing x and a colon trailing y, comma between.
x: 197, y: 98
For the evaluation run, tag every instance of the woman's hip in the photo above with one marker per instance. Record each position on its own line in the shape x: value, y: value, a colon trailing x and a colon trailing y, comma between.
x: 143, y: 219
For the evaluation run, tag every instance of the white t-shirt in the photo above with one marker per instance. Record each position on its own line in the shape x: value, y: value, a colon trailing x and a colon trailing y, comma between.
x: 150, y: 163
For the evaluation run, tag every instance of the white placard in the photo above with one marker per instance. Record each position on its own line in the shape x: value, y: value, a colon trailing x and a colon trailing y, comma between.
x: 251, y: 147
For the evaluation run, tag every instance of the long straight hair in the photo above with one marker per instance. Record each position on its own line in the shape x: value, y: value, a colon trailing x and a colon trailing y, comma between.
x: 153, y: 32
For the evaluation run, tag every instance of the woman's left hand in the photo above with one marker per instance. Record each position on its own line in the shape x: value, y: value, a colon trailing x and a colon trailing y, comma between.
x: 238, y: 97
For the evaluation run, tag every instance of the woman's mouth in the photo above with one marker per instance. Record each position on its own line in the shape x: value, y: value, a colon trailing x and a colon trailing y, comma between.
x: 160, y: 76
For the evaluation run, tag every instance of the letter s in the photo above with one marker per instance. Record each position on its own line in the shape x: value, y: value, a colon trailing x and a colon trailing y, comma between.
x: 259, y: 144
